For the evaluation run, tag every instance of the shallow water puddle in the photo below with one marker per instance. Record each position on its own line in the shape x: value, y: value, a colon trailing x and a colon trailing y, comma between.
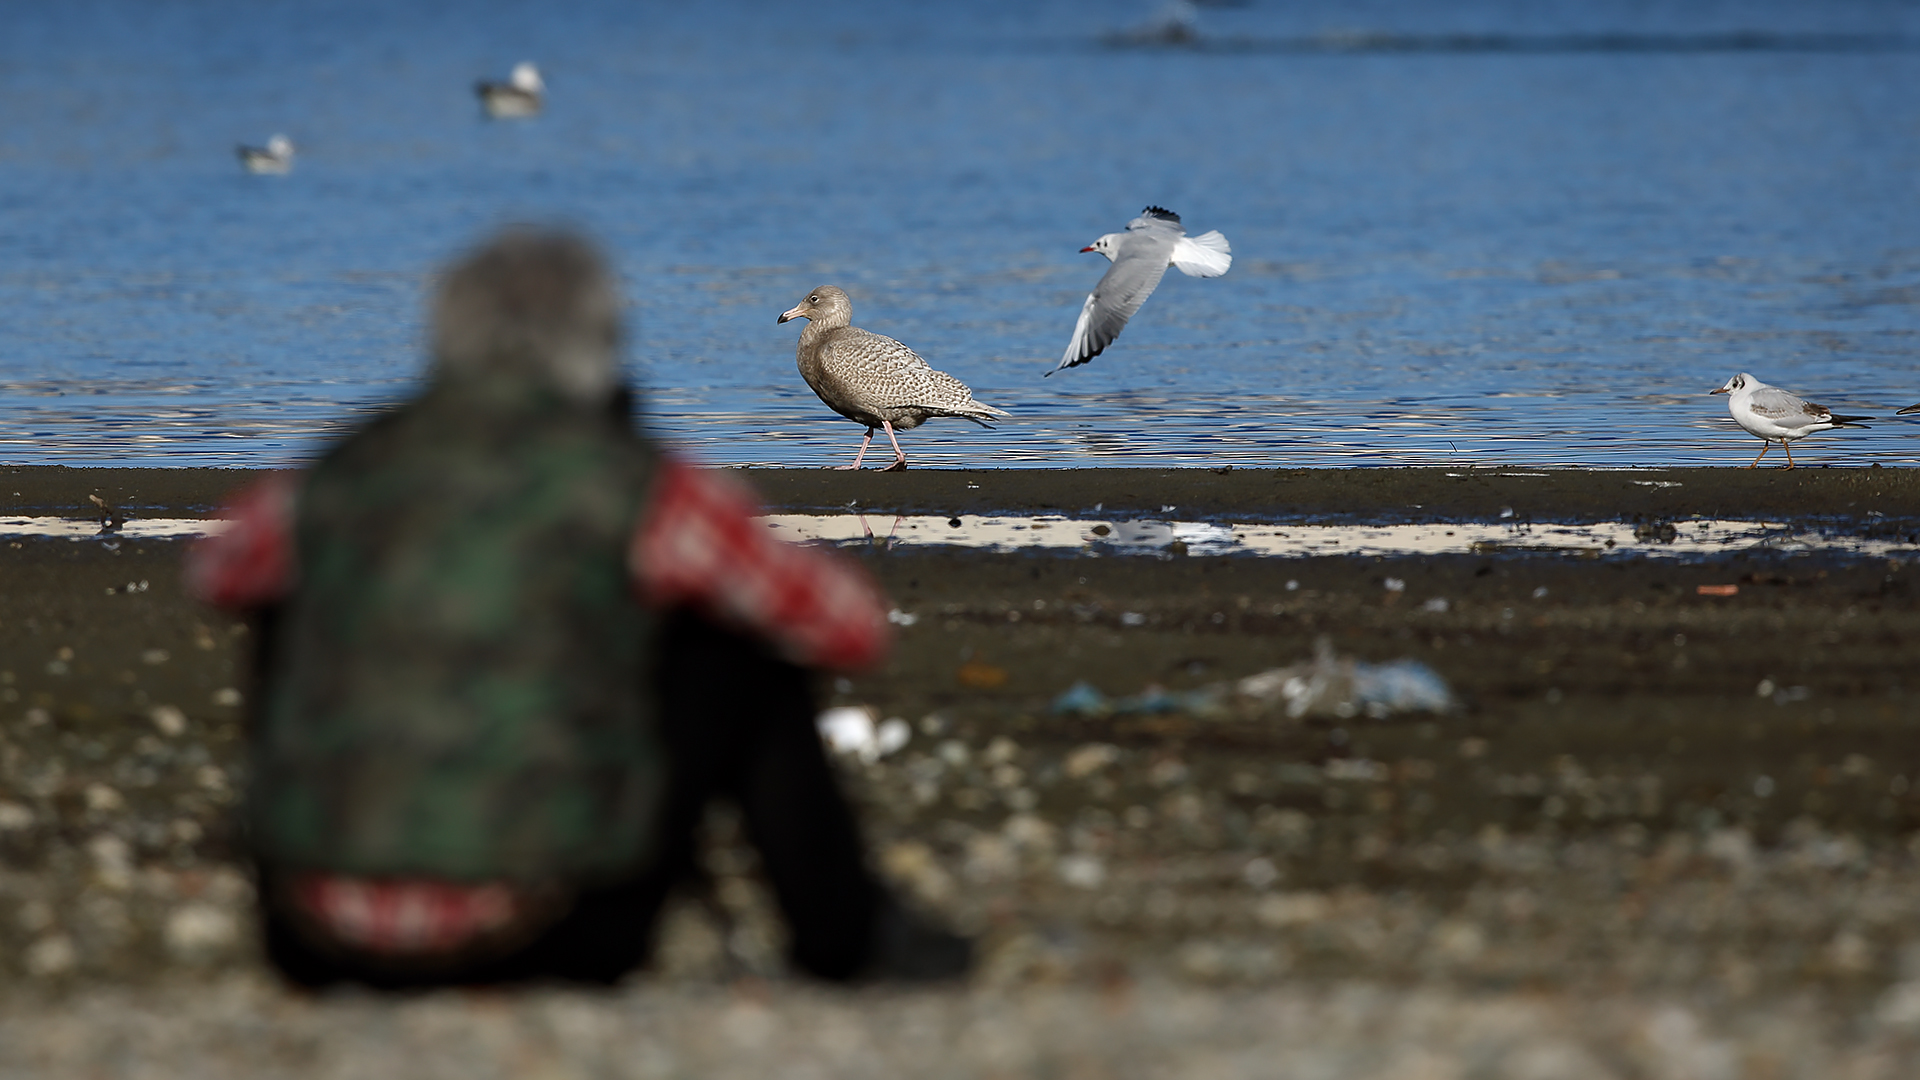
x: 131, y: 529
x: 1052, y: 533
x: 1094, y: 537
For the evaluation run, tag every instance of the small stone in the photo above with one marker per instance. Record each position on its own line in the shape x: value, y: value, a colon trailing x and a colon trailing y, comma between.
x: 101, y: 798
x: 14, y: 817
x: 1457, y: 940
x: 51, y: 955
x: 1292, y: 909
x: 155, y: 657
x: 1260, y: 872
x: 1089, y: 759
x: 34, y: 916
x: 913, y: 864
x: 196, y: 931
x: 112, y: 861
x: 1082, y: 871
x: 227, y: 696
x: 169, y: 719
x: 892, y: 735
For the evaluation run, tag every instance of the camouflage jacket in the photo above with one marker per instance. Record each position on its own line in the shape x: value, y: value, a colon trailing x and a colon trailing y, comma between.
x: 457, y: 686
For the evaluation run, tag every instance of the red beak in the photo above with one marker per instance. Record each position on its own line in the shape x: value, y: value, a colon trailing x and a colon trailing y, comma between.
x: 1086, y: 249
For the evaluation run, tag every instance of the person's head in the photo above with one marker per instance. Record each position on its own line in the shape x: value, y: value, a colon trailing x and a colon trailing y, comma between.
x: 531, y: 304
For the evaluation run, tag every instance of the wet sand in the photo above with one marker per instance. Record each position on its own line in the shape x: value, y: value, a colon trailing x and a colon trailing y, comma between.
x: 1385, y: 495
x: 1666, y: 833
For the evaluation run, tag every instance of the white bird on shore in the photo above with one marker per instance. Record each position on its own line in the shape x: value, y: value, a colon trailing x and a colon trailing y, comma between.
x: 520, y: 96
x: 1775, y: 416
x: 273, y: 159
x: 1140, y: 256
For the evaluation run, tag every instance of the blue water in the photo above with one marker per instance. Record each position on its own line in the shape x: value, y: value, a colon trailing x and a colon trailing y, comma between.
x: 1475, y: 232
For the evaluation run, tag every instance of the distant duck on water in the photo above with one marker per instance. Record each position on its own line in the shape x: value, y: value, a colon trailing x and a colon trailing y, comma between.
x: 521, y: 95
x: 273, y: 159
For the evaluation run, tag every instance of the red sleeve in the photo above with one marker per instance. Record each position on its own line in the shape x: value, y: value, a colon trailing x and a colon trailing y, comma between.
x: 250, y: 561
x: 699, y: 545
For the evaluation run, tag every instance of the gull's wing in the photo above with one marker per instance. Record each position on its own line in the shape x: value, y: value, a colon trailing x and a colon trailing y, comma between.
x: 881, y: 373
x: 1135, y: 272
x: 1153, y: 217
x: 1778, y: 405
x: 1206, y: 255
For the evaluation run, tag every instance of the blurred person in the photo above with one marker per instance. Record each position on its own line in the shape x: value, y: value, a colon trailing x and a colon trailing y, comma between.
x: 508, y: 652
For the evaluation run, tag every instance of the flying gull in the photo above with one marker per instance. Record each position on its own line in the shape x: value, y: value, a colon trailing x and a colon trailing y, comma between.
x: 1775, y: 416
x: 1140, y: 256
x: 521, y: 95
x: 874, y: 380
x: 273, y: 159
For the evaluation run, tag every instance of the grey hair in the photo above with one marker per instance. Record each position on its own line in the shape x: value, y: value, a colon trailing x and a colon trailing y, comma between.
x: 533, y: 303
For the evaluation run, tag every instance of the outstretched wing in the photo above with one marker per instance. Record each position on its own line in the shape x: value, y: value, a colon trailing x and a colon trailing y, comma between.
x: 1125, y: 286
x: 1206, y: 255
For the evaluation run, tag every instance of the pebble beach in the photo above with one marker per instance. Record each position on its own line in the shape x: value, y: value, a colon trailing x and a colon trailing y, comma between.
x: 1667, y: 828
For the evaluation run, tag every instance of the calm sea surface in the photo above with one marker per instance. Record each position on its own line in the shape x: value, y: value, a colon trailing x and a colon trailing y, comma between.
x: 1501, y: 233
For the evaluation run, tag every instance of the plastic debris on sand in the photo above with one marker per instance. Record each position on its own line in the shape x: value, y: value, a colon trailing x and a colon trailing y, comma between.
x: 1329, y: 686
x: 850, y: 729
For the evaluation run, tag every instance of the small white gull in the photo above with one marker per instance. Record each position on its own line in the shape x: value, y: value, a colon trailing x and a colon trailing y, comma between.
x: 273, y: 159
x: 1775, y: 416
x: 1140, y: 256
x: 521, y: 95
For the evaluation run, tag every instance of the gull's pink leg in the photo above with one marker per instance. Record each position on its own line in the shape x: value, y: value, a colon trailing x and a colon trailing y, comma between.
x: 1765, y: 445
x: 861, y: 456
x: 899, y: 455
x: 1788, y: 447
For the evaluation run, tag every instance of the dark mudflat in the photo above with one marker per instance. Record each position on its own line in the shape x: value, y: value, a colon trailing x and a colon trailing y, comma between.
x: 1382, y: 494
x: 1646, y: 786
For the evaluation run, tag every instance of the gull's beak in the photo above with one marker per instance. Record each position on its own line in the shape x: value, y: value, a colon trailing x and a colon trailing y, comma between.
x: 1086, y: 249
x: 797, y: 311
x: 1722, y: 390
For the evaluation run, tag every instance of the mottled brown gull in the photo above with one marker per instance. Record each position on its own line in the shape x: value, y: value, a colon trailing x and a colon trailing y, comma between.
x: 874, y: 380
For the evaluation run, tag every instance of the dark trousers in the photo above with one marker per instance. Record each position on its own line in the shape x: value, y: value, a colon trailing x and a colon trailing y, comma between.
x: 737, y: 723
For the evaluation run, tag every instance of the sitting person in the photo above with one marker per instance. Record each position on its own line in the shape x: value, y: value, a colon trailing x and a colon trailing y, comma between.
x: 509, y: 650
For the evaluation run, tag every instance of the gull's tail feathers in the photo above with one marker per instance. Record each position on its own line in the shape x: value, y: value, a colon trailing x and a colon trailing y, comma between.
x: 1206, y: 255
x: 983, y: 414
